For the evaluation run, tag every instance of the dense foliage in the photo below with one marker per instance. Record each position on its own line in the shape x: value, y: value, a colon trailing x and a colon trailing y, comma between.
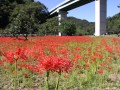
x: 22, y: 16
x: 50, y: 27
x: 113, y: 24
x: 83, y: 27
x: 68, y: 27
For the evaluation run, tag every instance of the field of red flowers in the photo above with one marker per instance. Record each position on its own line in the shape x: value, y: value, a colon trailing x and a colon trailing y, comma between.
x: 60, y: 63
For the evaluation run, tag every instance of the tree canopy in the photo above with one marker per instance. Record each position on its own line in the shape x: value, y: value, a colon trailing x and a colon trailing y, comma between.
x: 113, y: 24
x: 22, y: 16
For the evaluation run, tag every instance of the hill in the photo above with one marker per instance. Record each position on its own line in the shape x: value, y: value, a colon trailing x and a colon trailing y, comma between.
x: 113, y: 24
x: 83, y: 27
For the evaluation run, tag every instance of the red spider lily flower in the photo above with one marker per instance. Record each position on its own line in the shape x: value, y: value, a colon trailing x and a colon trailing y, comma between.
x: 77, y: 57
x: 63, y: 51
x: 11, y: 56
x: 30, y: 67
x: 77, y: 49
x: 93, y: 58
x: 101, y: 71
x: 108, y: 48
x: 86, y: 60
x: 1, y: 63
x: 110, y: 58
x: 103, y: 64
x: 117, y: 49
x: 98, y: 55
x: 20, y: 53
x: 55, y: 64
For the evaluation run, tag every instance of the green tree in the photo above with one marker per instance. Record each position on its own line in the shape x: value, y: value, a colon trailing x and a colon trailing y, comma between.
x: 6, y: 7
x: 26, y: 18
x: 83, y: 27
x: 49, y: 27
x: 68, y: 28
x: 113, y: 24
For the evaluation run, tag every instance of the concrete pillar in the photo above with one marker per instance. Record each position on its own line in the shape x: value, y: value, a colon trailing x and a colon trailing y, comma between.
x: 61, y: 15
x: 100, y: 17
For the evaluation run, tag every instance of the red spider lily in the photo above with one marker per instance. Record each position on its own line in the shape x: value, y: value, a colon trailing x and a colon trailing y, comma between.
x: 108, y: 48
x: 117, y: 49
x: 98, y: 55
x: 93, y: 58
x: 55, y: 64
x: 86, y: 61
x: 77, y: 57
x: 63, y: 51
x: 11, y: 55
x: 21, y: 53
x: 34, y: 68
x: 1, y: 63
x: 103, y: 64
x: 77, y: 49
x: 109, y: 58
x: 101, y: 71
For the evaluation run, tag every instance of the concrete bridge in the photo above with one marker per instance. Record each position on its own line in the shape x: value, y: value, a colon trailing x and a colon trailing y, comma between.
x: 100, y: 12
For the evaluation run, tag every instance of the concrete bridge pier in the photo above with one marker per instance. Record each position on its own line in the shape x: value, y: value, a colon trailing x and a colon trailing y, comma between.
x: 100, y: 17
x: 61, y: 15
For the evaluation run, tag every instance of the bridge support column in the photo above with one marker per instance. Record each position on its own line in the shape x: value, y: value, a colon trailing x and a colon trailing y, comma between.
x: 100, y: 17
x: 61, y: 15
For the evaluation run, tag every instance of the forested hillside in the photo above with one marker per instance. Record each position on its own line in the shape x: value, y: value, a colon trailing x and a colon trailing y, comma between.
x: 83, y: 27
x: 113, y: 24
x: 21, y: 16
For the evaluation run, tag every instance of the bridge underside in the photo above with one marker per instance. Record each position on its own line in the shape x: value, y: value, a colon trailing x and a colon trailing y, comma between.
x: 76, y: 4
x: 72, y: 6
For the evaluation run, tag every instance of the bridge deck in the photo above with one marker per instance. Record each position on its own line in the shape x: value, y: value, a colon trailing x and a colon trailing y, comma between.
x: 77, y: 4
x: 69, y: 5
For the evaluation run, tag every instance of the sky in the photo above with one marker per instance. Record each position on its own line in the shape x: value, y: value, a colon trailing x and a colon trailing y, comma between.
x: 87, y: 11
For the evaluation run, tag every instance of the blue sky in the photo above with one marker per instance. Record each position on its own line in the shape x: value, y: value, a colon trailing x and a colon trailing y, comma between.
x: 87, y: 11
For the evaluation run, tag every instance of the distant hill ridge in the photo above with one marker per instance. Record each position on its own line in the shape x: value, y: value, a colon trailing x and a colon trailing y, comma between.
x: 85, y: 27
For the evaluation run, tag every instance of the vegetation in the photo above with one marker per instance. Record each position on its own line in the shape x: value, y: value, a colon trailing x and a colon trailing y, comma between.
x: 50, y: 27
x: 24, y: 16
x: 113, y: 24
x: 67, y: 27
x: 60, y: 63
